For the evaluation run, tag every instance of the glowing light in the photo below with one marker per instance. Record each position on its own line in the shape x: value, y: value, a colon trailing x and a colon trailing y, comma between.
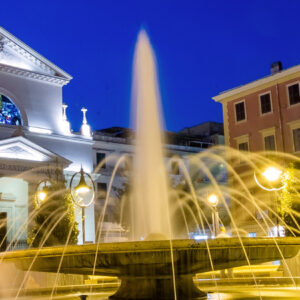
x: 82, y: 187
x: 213, y: 199
x: 40, y: 130
x: 198, y: 237
x: 42, y: 195
x: 272, y: 174
x: 41, y: 192
x: 269, y: 189
x: 82, y: 190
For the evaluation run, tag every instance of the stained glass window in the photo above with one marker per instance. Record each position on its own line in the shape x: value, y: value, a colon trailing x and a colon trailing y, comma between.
x: 9, y: 113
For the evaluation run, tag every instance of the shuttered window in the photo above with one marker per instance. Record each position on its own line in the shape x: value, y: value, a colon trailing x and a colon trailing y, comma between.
x: 240, y: 111
x: 296, y: 137
x: 294, y: 94
x: 270, y: 143
x: 265, y: 103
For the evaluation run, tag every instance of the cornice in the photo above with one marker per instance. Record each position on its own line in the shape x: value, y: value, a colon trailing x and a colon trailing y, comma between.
x: 33, y: 75
x: 257, y: 85
x: 54, y: 136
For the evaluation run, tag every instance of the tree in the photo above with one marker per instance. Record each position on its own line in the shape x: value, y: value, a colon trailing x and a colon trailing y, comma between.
x: 54, y: 222
x: 288, y: 198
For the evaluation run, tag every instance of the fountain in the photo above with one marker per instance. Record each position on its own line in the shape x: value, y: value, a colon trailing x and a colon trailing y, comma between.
x: 152, y: 269
x: 150, y: 198
x: 145, y: 268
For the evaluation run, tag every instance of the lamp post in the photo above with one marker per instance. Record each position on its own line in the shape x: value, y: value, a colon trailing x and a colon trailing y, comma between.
x: 272, y: 174
x: 213, y: 201
x: 79, y: 193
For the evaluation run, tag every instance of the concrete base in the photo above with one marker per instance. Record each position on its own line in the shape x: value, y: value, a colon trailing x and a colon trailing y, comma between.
x: 157, y: 288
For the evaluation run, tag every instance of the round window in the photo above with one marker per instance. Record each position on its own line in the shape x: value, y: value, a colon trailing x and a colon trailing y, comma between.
x: 9, y: 113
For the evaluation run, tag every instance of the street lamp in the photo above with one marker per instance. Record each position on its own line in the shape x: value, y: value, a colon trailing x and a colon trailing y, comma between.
x: 41, y: 191
x: 213, y: 201
x: 272, y: 174
x: 80, y: 196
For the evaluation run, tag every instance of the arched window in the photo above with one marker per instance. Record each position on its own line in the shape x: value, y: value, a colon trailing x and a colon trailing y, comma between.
x: 9, y: 113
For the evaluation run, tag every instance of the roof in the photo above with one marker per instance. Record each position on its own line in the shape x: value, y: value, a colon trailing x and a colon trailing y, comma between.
x: 31, y: 55
x: 126, y: 135
x: 115, y: 131
x: 256, y: 85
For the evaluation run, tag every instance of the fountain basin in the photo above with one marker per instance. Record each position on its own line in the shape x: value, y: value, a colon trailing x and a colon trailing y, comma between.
x: 145, y: 268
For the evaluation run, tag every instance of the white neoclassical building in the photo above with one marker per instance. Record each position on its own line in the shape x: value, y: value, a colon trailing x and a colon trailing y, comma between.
x: 34, y: 132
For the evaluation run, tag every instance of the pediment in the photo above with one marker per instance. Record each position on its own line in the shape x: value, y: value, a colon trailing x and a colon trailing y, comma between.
x: 10, y: 57
x: 20, y: 148
x: 16, y: 54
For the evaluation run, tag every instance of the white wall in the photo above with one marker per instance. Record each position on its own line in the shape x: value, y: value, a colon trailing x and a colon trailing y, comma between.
x: 40, y: 103
x: 78, y: 151
x: 14, y: 201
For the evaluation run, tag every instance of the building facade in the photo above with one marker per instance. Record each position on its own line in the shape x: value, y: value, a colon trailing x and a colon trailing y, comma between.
x: 263, y: 115
x: 34, y: 134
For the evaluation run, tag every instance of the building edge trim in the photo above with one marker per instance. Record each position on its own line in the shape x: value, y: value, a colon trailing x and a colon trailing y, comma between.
x: 33, y: 75
x: 257, y: 85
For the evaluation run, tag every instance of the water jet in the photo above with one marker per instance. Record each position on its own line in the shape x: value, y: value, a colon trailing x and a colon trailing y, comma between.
x: 161, y: 267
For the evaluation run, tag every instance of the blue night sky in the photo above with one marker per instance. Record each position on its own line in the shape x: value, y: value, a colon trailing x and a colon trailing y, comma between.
x: 202, y: 48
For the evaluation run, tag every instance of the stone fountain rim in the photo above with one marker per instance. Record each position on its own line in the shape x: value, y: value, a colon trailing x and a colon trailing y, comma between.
x: 149, y: 246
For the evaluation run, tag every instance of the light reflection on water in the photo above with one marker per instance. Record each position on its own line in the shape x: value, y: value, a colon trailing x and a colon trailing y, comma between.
x: 241, y: 293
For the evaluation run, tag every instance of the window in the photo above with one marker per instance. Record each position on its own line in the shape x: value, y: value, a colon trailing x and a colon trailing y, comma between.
x: 243, y: 146
x: 294, y: 94
x: 101, y: 189
x: 240, y: 113
x: 265, y: 103
x: 9, y: 113
x: 242, y: 143
x: 270, y: 143
x: 99, y: 158
x: 296, y: 138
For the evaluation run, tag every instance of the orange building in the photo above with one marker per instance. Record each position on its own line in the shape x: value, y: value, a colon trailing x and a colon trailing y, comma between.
x: 264, y: 114
x: 261, y: 115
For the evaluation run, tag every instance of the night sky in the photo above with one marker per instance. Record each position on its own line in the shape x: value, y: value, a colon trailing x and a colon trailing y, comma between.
x: 202, y: 48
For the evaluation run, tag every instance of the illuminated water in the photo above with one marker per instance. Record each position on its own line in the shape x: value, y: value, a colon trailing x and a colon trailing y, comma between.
x: 150, y: 188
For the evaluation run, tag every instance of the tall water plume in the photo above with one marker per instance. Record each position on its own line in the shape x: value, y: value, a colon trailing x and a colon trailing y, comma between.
x: 150, y: 189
